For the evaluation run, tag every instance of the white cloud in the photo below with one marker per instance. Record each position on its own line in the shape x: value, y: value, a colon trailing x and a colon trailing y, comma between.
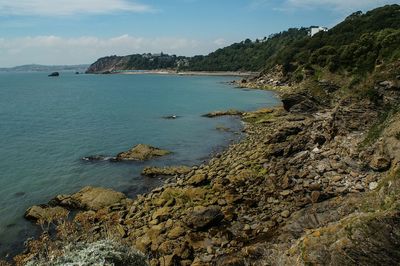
x: 57, y: 50
x: 220, y: 42
x: 69, y: 7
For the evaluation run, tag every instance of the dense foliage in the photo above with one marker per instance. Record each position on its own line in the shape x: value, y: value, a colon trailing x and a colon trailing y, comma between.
x: 356, y: 45
x: 246, y: 55
x: 149, y: 61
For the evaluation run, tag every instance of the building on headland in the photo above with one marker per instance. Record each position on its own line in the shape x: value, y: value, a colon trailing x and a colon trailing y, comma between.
x: 315, y: 29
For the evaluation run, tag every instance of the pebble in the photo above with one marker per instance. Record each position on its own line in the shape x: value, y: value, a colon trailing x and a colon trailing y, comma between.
x: 286, y: 192
x: 373, y: 185
x: 285, y: 214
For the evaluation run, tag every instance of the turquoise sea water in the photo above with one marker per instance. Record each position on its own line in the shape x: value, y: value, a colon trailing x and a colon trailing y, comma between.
x: 48, y: 124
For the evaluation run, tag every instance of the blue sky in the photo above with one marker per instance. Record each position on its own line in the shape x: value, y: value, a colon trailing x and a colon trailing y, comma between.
x: 80, y: 31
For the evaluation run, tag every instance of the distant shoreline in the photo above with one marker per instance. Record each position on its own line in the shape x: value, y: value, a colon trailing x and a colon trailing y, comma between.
x: 189, y: 73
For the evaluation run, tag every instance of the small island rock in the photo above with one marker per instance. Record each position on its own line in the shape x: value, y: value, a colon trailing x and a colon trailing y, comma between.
x: 54, y: 74
x: 141, y: 152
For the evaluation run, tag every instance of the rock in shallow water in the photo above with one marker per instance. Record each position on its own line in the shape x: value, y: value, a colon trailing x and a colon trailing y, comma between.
x: 45, y: 213
x: 223, y: 113
x: 141, y: 152
x: 171, y: 117
x: 98, y: 158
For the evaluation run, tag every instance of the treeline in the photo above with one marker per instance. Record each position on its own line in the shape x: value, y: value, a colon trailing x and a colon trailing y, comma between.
x: 356, y: 45
x: 150, y: 62
x: 247, y: 55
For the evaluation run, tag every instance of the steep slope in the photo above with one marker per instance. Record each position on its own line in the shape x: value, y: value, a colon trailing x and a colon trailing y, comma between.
x: 354, y: 47
x: 136, y: 62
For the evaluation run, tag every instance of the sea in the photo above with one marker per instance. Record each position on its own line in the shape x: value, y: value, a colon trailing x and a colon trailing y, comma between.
x: 48, y: 124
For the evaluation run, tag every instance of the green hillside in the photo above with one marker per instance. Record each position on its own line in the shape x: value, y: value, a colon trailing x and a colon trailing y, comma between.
x: 356, y: 45
x: 247, y: 55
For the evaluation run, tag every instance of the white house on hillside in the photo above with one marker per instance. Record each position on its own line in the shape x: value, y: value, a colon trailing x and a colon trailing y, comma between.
x: 315, y: 30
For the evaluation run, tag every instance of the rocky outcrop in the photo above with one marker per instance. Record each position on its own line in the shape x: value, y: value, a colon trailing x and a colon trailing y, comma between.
x: 107, y: 65
x: 141, y: 152
x: 165, y: 171
x: 45, y: 213
x: 201, y: 217
x: 90, y: 198
x: 299, y: 103
x: 230, y: 112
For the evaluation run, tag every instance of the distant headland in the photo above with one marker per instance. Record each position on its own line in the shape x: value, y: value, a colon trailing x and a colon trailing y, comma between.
x: 45, y: 68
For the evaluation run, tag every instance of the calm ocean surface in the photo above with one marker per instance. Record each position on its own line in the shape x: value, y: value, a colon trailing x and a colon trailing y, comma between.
x: 48, y: 124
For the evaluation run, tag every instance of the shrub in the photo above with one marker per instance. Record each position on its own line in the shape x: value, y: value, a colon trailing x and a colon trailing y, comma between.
x: 104, y: 252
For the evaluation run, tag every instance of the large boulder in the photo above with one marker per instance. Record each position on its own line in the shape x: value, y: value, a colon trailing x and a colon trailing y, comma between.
x: 299, y: 103
x: 90, y: 198
x: 45, y: 213
x: 380, y: 163
x: 204, y: 217
x: 141, y: 152
x: 197, y: 180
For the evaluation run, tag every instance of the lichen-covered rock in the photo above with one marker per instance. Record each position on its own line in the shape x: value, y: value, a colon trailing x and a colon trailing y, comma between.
x: 90, y: 198
x: 141, y: 152
x: 165, y: 171
x: 299, y: 103
x: 223, y: 113
x: 197, y: 179
x: 380, y: 163
x: 203, y: 217
x: 45, y: 213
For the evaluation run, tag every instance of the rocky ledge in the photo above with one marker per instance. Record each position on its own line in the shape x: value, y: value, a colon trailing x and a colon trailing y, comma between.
x: 165, y: 171
x: 141, y: 152
x: 230, y: 112
x: 308, y: 186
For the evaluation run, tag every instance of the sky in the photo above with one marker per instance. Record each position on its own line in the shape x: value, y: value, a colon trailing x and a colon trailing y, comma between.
x: 60, y: 32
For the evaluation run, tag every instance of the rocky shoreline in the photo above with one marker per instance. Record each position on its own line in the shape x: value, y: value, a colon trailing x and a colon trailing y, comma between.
x: 287, y: 194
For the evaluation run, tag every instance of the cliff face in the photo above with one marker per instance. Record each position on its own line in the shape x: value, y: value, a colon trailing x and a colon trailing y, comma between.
x: 136, y: 62
x: 106, y: 65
